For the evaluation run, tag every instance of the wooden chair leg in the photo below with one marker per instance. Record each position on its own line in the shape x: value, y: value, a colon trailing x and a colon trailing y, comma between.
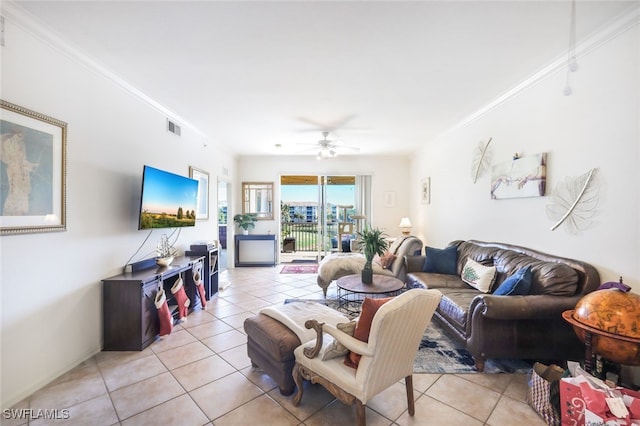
x: 408, y: 382
x: 298, y: 379
x: 360, y: 414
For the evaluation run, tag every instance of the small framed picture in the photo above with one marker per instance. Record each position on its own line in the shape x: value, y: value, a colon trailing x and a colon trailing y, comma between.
x: 202, y: 207
x: 390, y: 198
x: 425, y: 196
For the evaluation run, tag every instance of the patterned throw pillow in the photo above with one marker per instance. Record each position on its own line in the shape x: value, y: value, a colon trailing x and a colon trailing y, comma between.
x: 478, y: 276
x: 335, y: 348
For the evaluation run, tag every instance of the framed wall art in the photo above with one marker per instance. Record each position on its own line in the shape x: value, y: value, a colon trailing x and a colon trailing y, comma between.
x: 389, y: 198
x: 520, y: 177
x: 32, y: 171
x: 425, y: 195
x: 202, y: 208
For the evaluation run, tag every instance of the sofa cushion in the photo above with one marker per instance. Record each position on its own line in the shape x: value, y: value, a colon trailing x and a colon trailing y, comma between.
x: 429, y: 280
x: 518, y: 284
x: 548, y: 277
x: 552, y: 278
x: 478, y: 276
x: 441, y: 261
x: 482, y: 255
x: 454, y: 306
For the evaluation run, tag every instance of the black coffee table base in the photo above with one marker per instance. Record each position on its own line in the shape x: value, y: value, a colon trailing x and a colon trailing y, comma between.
x: 352, y: 291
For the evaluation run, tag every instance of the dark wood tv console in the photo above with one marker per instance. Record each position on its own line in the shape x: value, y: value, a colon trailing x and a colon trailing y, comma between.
x: 210, y: 279
x: 130, y: 318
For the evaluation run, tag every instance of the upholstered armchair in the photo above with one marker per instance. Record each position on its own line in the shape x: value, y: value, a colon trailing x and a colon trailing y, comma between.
x: 395, y: 334
x: 337, y: 265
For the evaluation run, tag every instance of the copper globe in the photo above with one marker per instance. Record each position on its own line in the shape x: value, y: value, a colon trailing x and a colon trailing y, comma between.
x: 612, y: 317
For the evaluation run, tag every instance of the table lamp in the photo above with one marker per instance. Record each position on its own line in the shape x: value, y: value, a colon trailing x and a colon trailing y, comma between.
x: 405, y: 225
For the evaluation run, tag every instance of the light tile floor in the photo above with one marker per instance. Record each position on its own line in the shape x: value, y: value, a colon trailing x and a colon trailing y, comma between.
x: 201, y: 375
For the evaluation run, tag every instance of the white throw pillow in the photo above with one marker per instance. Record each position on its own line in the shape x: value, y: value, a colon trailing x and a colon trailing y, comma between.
x: 478, y: 276
x: 332, y: 348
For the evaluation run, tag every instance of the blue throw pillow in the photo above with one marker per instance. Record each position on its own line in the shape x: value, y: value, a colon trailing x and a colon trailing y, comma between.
x: 518, y: 284
x: 441, y: 261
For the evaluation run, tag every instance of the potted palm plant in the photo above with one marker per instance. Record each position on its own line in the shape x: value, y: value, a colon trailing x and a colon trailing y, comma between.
x: 246, y: 221
x: 373, y: 242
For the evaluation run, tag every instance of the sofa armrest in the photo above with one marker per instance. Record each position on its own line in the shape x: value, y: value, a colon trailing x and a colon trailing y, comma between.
x: 521, y: 307
x: 413, y: 263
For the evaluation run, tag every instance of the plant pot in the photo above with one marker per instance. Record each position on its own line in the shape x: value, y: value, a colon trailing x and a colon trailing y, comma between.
x: 245, y: 232
x: 367, y: 276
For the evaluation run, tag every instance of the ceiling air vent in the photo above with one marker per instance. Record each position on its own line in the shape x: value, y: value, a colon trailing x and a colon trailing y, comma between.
x: 173, y: 127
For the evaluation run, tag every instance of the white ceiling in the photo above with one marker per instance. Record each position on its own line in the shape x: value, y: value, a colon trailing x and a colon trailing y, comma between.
x: 388, y: 75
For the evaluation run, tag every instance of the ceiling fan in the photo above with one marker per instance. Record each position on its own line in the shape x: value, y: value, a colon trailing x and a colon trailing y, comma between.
x: 328, y: 148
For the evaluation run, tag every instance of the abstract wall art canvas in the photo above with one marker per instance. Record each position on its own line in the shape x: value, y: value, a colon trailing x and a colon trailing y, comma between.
x: 521, y: 177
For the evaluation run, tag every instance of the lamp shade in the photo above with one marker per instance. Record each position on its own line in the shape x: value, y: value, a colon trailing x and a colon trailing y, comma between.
x: 405, y: 223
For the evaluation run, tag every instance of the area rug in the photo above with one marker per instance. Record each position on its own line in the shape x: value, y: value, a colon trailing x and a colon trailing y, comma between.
x: 300, y: 269
x: 440, y: 353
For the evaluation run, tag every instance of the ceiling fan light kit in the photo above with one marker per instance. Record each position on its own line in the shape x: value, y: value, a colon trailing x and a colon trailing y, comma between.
x: 328, y: 148
x: 325, y: 153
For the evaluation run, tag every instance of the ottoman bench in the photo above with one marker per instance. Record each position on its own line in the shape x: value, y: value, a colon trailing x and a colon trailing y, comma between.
x: 270, y: 346
x: 274, y: 333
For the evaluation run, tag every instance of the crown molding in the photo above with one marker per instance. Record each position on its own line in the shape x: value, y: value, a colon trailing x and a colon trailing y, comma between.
x: 617, y: 26
x: 23, y: 19
x: 36, y: 28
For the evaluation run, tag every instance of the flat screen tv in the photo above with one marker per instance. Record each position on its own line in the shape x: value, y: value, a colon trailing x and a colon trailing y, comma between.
x: 168, y: 200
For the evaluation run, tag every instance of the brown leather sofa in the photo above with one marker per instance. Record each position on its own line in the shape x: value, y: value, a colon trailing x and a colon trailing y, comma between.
x: 524, y: 327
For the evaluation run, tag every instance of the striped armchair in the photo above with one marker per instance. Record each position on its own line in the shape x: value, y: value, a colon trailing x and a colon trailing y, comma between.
x: 388, y: 356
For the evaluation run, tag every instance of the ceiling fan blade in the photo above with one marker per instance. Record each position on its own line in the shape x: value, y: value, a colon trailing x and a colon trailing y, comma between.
x: 352, y: 148
x: 312, y: 149
x: 330, y: 126
x: 341, y: 122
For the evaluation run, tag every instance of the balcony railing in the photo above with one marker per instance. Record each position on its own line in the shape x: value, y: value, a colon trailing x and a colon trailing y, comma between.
x: 306, y: 236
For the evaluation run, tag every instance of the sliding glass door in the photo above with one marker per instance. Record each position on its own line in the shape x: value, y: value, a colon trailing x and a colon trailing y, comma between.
x: 316, y: 215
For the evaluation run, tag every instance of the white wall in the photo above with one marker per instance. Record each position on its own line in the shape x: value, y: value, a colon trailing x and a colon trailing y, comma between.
x: 387, y: 174
x: 597, y: 126
x: 50, y: 283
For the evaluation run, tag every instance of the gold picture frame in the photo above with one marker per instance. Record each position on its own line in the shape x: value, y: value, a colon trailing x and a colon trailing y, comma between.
x: 33, y: 166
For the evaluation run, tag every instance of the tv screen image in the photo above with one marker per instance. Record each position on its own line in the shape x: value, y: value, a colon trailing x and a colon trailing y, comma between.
x: 168, y: 200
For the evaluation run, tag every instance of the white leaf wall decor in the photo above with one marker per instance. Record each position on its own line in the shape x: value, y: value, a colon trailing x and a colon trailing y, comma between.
x: 574, y: 202
x: 480, y: 159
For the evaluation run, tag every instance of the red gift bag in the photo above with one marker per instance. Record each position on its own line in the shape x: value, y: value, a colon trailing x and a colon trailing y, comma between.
x: 583, y: 404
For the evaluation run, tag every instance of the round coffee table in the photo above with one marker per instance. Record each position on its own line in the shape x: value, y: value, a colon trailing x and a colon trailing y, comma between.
x: 352, y: 291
